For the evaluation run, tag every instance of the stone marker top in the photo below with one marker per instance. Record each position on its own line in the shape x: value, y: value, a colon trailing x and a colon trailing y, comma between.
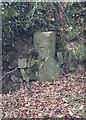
x: 44, y: 43
x: 45, y: 33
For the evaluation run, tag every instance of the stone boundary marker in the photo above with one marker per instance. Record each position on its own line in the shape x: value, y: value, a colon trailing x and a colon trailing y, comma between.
x: 45, y: 43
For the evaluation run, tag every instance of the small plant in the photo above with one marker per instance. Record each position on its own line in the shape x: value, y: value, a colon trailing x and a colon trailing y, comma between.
x: 80, y: 52
x: 74, y: 33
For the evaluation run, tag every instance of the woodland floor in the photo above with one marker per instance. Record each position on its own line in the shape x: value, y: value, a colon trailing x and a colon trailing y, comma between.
x: 57, y: 99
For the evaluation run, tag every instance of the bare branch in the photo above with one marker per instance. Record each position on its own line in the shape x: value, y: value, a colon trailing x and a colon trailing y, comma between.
x: 64, y: 12
x: 9, y: 72
x: 34, y: 8
x: 14, y: 68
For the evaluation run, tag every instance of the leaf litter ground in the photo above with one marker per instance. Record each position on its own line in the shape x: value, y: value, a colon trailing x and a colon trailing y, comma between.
x: 57, y: 99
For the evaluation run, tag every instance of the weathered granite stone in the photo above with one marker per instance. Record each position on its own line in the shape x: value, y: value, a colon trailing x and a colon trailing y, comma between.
x: 60, y: 58
x: 26, y: 66
x: 70, y: 61
x: 28, y: 63
x: 44, y: 43
x: 23, y: 73
x: 49, y: 70
x: 22, y: 63
x: 14, y: 78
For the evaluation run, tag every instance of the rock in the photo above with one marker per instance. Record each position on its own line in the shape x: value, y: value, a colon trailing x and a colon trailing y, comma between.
x: 23, y: 73
x: 14, y: 78
x: 36, y: 73
x: 22, y: 63
x: 70, y: 60
x: 70, y: 57
x: 44, y: 43
x: 28, y: 64
x: 20, y: 80
x: 27, y: 79
x: 49, y: 70
x: 60, y: 58
x: 80, y: 69
x: 10, y: 67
